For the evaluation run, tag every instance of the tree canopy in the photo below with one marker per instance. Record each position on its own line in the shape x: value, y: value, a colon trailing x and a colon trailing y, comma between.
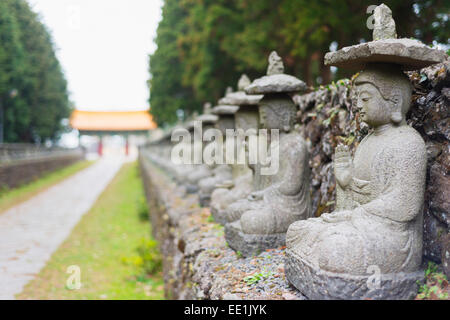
x: 33, y: 89
x: 204, y: 45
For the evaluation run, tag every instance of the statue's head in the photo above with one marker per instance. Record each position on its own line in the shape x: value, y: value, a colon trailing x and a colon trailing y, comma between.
x: 383, y: 95
x: 277, y: 112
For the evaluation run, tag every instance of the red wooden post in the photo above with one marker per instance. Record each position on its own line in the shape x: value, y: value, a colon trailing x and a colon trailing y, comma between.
x: 100, y: 147
x: 126, y: 146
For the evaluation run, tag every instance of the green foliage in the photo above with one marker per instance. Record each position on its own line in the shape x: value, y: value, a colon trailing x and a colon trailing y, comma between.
x: 432, y: 268
x: 143, y: 209
x: 33, y: 90
x: 435, y: 286
x: 148, y: 260
x: 211, y: 218
x: 204, y: 45
x: 257, y: 277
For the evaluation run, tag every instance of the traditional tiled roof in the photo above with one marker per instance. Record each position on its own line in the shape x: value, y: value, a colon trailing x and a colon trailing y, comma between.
x: 112, y: 120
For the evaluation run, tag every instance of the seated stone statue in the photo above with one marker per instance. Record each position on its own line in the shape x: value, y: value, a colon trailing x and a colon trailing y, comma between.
x: 371, y: 246
x: 380, y: 194
x: 246, y: 120
x: 200, y: 171
x: 263, y: 218
x: 220, y: 173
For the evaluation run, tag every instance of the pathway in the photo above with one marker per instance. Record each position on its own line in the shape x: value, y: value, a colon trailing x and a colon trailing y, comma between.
x: 31, y: 231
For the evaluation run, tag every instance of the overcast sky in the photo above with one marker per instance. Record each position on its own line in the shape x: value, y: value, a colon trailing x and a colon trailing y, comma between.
x: 103, y: 46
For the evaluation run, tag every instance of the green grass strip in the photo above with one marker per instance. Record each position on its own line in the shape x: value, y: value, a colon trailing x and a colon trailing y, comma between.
x: 112, y: 247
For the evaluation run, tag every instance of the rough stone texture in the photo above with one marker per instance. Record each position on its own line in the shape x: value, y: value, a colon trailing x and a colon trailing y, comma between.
x: 384, y: 24
x: 225, y: 109
x: 276, y: 83
x: 197, y: 263
x: 207, y: 118
x: 240, y: 98
x: 326, y: 119
x: 409, y: 53
x: 446, y: 255
x: 318, y: 284
x: 430, y: 115
x: 276, y: 65
x: 251, y: 244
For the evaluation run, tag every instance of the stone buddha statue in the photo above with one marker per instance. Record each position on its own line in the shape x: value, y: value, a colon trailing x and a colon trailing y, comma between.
x: 246, y: 121
x: 195, y: 127
x: 371, y: 246
x: 202, y: 170
x: 221, y: 173
x: 180, y: 171
x: 260, y: 222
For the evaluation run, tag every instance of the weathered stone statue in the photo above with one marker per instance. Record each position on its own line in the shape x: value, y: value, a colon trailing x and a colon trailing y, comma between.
x: 220, y: 172
x: 195, y: 127
x: 200, y: 171
x: 371, y: 246
x: 179, y: 171
x: 159, y: 152
x: 246, y: 119
x: 261, y: 220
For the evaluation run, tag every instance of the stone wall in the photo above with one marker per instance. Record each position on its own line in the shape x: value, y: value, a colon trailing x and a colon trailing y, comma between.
x: 22, y: 164
x: 197, y: 261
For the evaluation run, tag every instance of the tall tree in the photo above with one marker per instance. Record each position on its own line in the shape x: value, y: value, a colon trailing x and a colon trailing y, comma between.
x: 167, y: 93
x: 46, y: 90
x: 14, y: 112
x: 34, y: 93
x: 203, y: 45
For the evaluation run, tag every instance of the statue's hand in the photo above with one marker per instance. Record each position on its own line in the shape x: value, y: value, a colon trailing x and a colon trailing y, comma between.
x: 343, y: 165
x: 337, y: 216
x: 254, y: 196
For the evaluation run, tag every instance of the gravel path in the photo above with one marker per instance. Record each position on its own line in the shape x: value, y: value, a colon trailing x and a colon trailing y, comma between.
x: 31, y: 231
